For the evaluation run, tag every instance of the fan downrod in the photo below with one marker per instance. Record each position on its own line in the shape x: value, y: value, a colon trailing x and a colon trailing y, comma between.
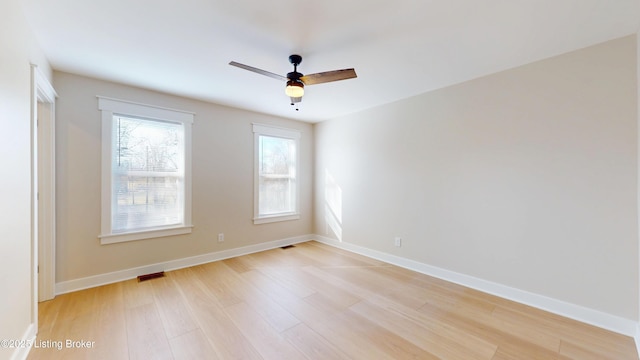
x: 295, y: 75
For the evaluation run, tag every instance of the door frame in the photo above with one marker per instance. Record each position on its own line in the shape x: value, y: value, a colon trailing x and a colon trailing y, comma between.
x: 43, y: 97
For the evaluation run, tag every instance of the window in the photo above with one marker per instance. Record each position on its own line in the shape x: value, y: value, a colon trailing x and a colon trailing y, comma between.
x: 276, y: 178
x: 146, y: 171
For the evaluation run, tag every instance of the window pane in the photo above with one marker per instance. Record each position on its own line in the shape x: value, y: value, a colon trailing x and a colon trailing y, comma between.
x: 146, y: 145
x: 148, y: 172
x: 277, y: 175
x: 144, y: 201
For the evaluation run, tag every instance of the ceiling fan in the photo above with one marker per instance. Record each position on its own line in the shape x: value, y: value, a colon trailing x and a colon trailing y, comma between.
x: 296, y: 81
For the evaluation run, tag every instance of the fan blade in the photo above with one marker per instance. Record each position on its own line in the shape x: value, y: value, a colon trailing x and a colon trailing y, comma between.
x: 328, y: 76
x: 259, y: 71
x: 296, y: 100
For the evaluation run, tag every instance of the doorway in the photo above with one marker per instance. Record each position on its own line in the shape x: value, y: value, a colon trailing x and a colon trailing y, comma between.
x: 43, y: 190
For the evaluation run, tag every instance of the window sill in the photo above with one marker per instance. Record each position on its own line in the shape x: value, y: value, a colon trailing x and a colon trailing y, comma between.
x: 146, y: 234
x: 275, y: 218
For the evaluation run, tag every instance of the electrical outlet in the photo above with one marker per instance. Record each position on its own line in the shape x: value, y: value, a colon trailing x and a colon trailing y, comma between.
x: 221, y: 237
x: 398, y: 241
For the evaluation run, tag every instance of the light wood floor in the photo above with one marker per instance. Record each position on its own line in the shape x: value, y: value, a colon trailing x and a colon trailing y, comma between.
x: 311, y: 301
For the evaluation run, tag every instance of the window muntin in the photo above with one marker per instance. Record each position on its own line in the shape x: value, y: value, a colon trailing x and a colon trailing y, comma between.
x: 276, y: 174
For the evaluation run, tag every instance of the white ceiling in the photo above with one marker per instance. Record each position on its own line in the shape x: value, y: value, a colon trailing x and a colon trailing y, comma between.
x: 399, y: 48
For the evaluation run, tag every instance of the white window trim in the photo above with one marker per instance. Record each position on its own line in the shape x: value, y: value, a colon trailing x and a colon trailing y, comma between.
x: 268, y: 130
x: 109, y: 107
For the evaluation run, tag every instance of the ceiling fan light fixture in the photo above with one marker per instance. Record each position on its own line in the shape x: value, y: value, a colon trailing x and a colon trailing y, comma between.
x: 294, y: 89
x: 296, y: 81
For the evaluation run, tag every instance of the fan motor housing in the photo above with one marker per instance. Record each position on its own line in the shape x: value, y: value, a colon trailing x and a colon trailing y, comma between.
x: 294, y: 75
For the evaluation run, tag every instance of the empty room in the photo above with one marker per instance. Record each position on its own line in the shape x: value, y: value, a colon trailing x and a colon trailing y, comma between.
x: 209, y: 179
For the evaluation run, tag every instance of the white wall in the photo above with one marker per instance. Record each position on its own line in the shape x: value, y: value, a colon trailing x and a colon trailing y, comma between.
x: 17, y: 50
x: 222, y: 181
x: 525, y: 178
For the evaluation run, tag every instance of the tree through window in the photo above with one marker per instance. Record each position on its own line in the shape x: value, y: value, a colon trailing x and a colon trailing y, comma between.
x: 148, y: 174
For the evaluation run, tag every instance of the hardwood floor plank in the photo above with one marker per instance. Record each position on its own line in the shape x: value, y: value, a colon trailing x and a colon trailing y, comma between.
x: 491, y: 332
x: 225, y: 338
x: 145, y: 333
x: 289, y: 280
x: 75, y: 323
x: 362, y: 339
x: 238, y: 264
x: 331, y: 256
x: 464, y: 341
x: 237, y: 287
x: 77, y: 304
x: 218, y: 279
x: 266, y: 285
x: 308, y: 284
x: 137, y: 293
x: 173, y: 311
x: 192, y: 346
x: 109, y: 329
x: 264, y: 338
x: 289, y: 258
x: 374, y: 282
x: 48, y: 313
x: 549, y: 344
x: 525, y: 353
x: 588, y: 350
x: 594, y: 340
x: 311, y: 344
x: 429, y: 340
x: 308, y: 312
x: 338, y: 281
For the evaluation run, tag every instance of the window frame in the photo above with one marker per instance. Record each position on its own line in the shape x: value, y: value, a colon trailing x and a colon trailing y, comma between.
x: 278, y: 132
x: 110, y: 107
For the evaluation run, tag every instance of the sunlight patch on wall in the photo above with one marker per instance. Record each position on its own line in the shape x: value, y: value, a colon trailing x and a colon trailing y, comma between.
x: 333, y: 206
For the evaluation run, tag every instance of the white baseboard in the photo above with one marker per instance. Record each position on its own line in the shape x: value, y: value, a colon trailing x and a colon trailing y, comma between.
x: 21, y: 352
x: 121, y: 275
x: 590, y: 316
